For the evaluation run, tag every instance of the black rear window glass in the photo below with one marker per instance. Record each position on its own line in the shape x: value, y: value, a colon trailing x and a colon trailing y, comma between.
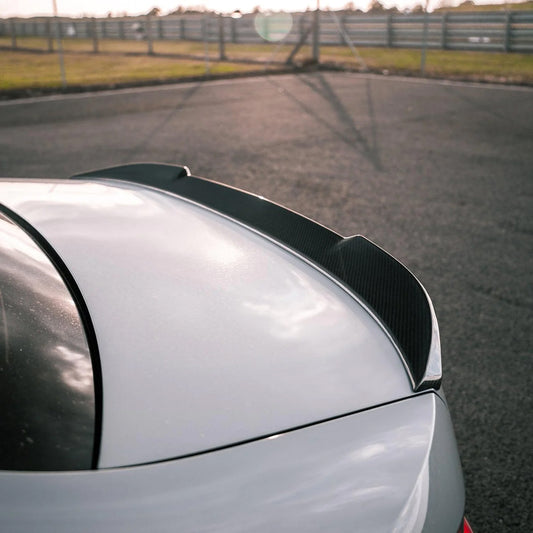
x: 46, y: 378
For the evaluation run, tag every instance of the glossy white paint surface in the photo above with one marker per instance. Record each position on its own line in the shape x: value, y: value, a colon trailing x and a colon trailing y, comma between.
x: 209, y: 334
x: 364, y: 472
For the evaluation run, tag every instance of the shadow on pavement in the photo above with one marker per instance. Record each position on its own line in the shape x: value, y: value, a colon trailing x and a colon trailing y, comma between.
x: 351, y: 135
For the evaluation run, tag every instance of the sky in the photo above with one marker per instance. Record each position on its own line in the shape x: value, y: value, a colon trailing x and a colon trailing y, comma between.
x: 76, y: 8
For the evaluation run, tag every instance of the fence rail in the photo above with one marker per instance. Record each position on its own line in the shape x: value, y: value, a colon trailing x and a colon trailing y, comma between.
x: 507, y: 31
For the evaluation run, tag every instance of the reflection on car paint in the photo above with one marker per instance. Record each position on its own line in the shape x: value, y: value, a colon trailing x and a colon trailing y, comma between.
x: 45, y: 366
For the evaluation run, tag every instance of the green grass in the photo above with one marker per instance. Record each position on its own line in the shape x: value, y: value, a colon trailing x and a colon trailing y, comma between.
x: 26, y: 70
x: 489, y: 66
x: 22, y: 70
x: 258, y: 52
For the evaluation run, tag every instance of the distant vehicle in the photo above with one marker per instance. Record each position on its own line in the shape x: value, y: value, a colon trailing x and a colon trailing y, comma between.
x: 179, y: 355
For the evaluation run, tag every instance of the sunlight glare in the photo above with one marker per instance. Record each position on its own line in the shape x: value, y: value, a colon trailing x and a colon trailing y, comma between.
x: 273, y: 26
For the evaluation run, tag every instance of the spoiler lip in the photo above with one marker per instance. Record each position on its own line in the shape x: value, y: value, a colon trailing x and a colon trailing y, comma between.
x: 392, y: 294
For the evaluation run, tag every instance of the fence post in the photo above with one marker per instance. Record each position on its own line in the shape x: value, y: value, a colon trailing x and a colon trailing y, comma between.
x: 104, y: 30
x: 389, y: 30
x: 121, y: 32
x: 60, y: 49
x: 205, y: 34
x: 507, y: 36
x: 182, y: 29
x: 160, y: 29
x: 233, y: 30
x: 316, y: 36
x: 94, y: 31
x: 424, y: 41
x: 343, y: 33
x: 444, y: 30
x: 221, y: 40
x: 50, y: 36
x: 13, y: 29
x: 149, y: 35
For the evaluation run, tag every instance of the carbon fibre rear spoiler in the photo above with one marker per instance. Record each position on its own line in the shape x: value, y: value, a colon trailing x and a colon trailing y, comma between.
x: 383, y: 283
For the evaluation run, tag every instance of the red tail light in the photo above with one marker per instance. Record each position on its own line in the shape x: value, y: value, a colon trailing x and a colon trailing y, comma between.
x: 465, y: 527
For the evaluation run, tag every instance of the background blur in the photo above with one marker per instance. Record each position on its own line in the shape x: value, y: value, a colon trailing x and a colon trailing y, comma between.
x: 478, y: 42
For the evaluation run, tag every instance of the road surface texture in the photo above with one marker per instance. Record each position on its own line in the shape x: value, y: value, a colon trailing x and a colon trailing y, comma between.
x: 439, y: 174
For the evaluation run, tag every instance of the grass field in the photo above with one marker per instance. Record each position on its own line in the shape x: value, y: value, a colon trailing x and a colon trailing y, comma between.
x: 259, y: 52
x: 488, y: 66
x: 26, y: 70
x: 128, y: 62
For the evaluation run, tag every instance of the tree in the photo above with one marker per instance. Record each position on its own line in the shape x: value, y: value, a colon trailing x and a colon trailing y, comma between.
x: 154, y: 12
x: 375, y: 7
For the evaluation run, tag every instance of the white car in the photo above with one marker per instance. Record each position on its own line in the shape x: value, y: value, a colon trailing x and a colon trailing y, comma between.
x: 179, y: 355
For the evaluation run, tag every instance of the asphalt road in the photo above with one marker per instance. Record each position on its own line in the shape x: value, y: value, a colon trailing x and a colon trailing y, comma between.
x: 439, y: 174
